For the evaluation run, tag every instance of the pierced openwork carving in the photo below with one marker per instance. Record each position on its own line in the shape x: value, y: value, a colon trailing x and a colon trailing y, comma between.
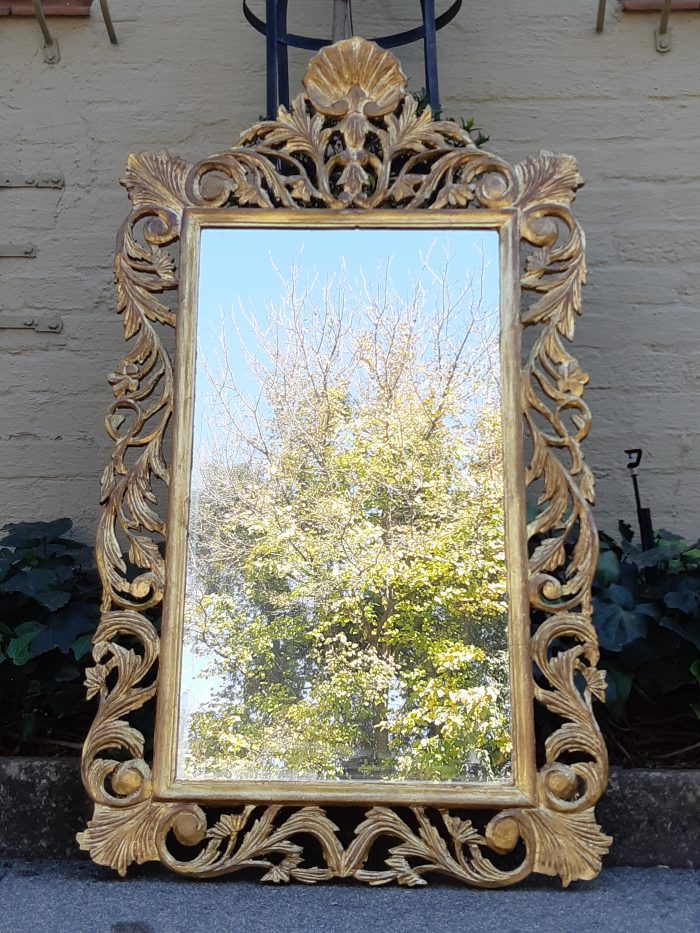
x: 353, y: 141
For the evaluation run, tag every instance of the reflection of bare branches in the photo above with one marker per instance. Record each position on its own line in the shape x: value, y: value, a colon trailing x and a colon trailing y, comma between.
x: 364, y: 338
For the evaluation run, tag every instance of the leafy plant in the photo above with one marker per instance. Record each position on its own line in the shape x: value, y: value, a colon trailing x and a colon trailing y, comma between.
x: 49, y: 608
x: 647, y: 614
x: 468, y: 125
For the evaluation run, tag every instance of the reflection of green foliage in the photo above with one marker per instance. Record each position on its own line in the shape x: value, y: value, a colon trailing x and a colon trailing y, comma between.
x: 349, y: 579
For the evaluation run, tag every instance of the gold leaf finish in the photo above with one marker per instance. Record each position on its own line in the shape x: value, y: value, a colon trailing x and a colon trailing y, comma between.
x: 354, y: 75
x: 354, y: 140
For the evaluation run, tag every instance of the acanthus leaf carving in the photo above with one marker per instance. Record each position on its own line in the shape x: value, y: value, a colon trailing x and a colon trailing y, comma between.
x: 156, y: 181
x: 568, y: 845
x: 120, y: 836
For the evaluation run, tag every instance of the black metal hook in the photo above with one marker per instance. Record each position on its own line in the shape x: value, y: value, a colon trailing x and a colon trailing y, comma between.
x: 274, y: 28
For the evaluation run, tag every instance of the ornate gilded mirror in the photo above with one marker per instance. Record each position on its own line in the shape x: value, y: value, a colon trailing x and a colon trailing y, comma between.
x: 359, y: 624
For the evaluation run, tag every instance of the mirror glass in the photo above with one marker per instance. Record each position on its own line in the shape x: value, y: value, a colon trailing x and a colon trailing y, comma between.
x: 346, y: 610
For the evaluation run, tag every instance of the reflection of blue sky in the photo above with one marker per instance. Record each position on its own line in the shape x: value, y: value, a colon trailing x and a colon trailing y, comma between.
x: 242, y: 273
x: 238, y: 281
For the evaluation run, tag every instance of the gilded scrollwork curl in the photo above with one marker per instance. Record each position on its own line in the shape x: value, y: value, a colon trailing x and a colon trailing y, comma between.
x: 355, y: 140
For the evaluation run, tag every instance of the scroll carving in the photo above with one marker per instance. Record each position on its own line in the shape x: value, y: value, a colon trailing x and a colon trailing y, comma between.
x: 353, y: 140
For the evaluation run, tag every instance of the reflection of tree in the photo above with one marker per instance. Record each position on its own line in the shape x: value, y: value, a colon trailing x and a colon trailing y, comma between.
x: 346, y: 570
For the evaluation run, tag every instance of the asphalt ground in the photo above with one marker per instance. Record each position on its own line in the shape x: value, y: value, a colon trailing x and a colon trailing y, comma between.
x: 79, y: 897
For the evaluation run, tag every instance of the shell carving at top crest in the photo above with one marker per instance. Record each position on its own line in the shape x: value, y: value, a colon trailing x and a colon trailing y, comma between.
x: 354, y: 75
x: 353, y: 141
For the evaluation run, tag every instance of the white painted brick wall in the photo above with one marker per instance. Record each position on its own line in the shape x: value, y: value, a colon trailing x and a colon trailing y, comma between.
x: 190, y: 76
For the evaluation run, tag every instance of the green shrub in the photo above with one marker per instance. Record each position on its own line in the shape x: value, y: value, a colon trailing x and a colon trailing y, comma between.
x: 468, y: 125
x: 647, y: 614
x: 49, y: 609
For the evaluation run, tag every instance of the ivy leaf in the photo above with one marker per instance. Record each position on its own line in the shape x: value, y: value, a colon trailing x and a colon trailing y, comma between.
x: 695, y: 670
x: 67, y: 673
x: 620, y: 595
x: 619, y: 684
x: 662, y: 554
x: 659, y: 643
x: 617, y: 626
x: 686, y: 597
x: 30, y: 534
x: 664, y: 536
x: 664, y: 675
x: 81, y: 646
x: 687, y: 628
x: 46, y: 585
x: 18, y: 648
x: 608, y: 569
x: 6, y: 561
x: 62, y: 628
x: 626, y: 532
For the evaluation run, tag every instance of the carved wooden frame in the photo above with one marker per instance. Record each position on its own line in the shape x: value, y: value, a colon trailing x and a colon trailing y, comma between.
x: 353, y: 141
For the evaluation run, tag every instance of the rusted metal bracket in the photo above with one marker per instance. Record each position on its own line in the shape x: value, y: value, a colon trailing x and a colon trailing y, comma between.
x: 600, y: 18
x: 17, y: 251
x: 50, y: 48
x: 41, y: 323
x: 50, y: 7
x: 662, y: 35
x: 52, y: 180
x: 52, y: 54
x: 109, y: 25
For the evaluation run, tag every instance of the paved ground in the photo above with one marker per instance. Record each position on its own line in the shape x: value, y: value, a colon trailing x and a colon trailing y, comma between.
x: 78, y: 897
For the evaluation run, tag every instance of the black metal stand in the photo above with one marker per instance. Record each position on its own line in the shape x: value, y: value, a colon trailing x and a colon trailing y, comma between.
x: 274, y: 28
x: 646, y: 529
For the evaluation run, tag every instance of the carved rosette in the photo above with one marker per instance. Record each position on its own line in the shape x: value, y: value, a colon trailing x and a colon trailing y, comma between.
x: 353, y: 140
